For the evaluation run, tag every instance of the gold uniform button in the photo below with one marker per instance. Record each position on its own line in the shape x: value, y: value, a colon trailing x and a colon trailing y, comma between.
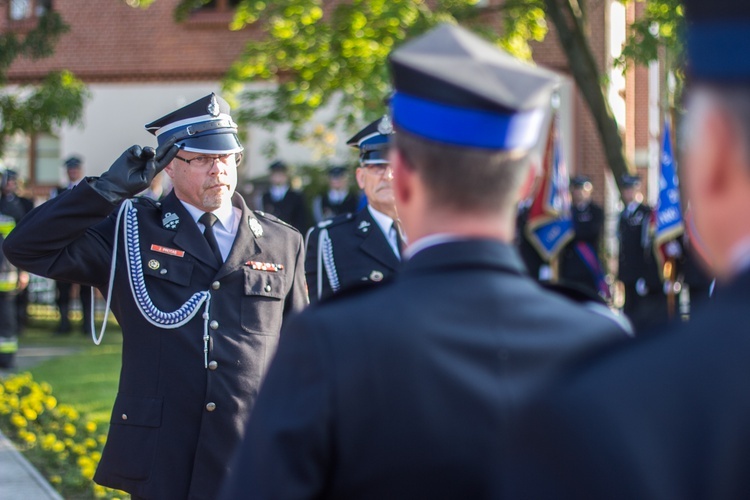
x: 211, y: 406
x: 124, y: 416
x: 215, y: 285
x: 213, y: 365
x: 214, y: 325
x: 268, y: 288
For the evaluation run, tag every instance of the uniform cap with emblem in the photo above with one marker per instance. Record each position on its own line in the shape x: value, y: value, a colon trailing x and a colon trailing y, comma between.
x: 718, y: 40
x: 373, y: 140
x: 203, y: 126
x: 581, y: 181
x: 337, y: 171
x: 455, y: 88
x: 73, y: 162
x: 631, y: 181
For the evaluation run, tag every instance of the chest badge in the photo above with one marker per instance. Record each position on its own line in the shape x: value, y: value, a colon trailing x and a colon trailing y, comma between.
x: 376, y: 276
x: 154, y: 264
x: 170, y: 221
x: 364, y: 226
x: 255, y: 227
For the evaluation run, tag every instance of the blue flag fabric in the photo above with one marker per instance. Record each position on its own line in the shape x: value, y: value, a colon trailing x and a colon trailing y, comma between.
x: 550, y: 225
x: 669, y: 220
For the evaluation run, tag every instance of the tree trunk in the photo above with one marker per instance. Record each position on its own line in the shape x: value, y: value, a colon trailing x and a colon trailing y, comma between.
x: 570, y: 31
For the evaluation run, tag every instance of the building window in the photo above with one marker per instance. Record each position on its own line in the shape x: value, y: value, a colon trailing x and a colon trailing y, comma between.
x: 35, y: 158
x: 26, y: 9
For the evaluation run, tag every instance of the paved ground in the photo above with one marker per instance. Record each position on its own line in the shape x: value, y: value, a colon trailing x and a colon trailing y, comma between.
x: 18, y: 478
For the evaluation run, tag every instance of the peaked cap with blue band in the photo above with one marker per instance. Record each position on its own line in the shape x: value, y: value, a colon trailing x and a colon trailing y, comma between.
x: 718, y: 41
x: 455, y: 88
x: 203, y: 126
x: 373, y: 141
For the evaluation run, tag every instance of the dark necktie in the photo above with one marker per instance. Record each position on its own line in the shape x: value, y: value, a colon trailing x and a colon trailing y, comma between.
x: 208, y: 219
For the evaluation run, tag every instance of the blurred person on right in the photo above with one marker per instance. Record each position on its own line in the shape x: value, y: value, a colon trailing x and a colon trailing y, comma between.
x: 667, y: 416
x: 404, y: 391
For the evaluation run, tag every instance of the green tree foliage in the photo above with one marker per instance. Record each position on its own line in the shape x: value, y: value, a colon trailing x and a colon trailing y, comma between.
x: 56, y: 100
x: 324, y: 53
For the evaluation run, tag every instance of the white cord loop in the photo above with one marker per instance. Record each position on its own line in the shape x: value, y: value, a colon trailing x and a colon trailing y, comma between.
x: 152, y: 314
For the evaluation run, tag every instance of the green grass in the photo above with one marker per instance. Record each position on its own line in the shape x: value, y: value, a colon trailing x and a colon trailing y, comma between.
x: 86, y: 379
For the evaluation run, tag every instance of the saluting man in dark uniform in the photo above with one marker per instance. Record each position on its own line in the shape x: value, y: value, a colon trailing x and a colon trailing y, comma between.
x: 645, y: 302
x: 361, y: 247
x: 404, y: 390
x: 580, y: 264
x: 200, y: 287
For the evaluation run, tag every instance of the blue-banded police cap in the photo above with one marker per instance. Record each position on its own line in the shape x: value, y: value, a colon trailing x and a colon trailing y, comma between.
x: 455, y: 88
x: 373, y: 141
x: 203, y: 126
x: 631, y: 181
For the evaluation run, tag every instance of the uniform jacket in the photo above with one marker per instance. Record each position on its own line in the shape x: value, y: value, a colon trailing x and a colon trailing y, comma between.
x: 588, y: 223
x: 324, y: 208
x: 666, y: 417
x: 636, y: 259
x: 175, y: 422
x: 291, y: 209
x: 359, y: 253
x: 404, y: 391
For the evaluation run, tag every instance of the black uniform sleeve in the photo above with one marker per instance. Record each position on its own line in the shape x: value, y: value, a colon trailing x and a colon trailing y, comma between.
x: 297, y: 299
x: 67, y: 238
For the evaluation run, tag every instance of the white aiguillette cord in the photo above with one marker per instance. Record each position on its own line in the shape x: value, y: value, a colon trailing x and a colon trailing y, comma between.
x: 142, y: 299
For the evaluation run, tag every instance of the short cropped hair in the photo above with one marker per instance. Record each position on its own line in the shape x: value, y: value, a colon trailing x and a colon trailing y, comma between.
x: 470, y: 180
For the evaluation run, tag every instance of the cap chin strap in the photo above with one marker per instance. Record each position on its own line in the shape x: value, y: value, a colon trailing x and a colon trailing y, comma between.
x: 149, y: 311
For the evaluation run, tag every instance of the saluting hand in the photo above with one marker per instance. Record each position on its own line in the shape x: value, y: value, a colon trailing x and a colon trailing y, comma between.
x: 133, y: 172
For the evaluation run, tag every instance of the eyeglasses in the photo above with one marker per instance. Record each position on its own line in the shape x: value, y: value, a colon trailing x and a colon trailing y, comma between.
x: 377, y: 168
x: 208, y: 161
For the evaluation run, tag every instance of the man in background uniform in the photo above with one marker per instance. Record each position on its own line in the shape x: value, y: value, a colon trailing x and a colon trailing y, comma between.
x: 404, y: 390
x: 74, y: 172
x: 284, y: 202
x: 16, y: 206
x: 580, y: 264
x: 338, y: 199
x: 366, y: 246
x: 645, y: 301
x: 200, y: 289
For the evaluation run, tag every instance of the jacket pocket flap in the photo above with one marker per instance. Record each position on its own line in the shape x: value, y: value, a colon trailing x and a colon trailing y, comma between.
x: 134, y: 410
x: 265, y: 284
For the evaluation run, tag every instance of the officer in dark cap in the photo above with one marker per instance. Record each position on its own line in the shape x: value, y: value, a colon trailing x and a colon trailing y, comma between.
x: 580, y: 264
x: 667, y: 416
x: 338, y: 199
x: 362, y: 247
x: 74, y: 171
x: 200, y: 285
x: 284, y: 202
x: 404, y: 390
x: 645, y: 302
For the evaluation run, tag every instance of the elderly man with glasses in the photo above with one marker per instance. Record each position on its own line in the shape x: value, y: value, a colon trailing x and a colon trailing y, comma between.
x: 363, y: 247
x: 199, y: 284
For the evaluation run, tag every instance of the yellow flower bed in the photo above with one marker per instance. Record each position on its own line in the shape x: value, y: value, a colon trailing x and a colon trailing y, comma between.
x: 61, y: 443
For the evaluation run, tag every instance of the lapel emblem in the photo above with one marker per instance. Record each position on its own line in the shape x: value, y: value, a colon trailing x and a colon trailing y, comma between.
x: 153, y: 264
x: 364, y: 226
x: 255, y: 226
x: 376, y: 276
x: 170, y: 221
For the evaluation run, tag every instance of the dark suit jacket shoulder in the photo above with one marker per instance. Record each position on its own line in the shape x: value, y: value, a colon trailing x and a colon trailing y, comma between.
x: 664, y: 417
x: 404, y: 391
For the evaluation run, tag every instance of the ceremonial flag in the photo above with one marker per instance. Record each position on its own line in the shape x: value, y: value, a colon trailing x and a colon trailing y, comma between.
x: 669, y: 223
x: 550, y: 225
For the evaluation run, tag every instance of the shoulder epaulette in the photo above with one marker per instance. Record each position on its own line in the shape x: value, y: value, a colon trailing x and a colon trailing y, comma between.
x: 336, y: 221
x: 273, y: 218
